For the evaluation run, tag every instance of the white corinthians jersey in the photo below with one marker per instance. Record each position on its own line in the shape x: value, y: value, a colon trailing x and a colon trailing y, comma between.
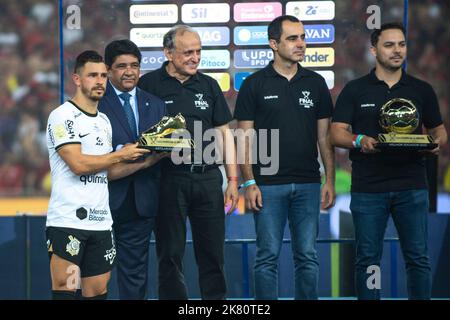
x: 79, y: 202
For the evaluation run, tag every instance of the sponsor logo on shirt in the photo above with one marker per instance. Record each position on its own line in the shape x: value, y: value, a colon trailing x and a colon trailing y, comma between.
x: 60, y: 131
x: 99, y: 141
x: 306, y: 102
x: 367, y: 105
x: 81, y: 213
x: 200, y: 103
x: 270, y: 97
x: 93, y: 178
x: 50, y: 134
x: 69, y: 128
x: 97, y: 215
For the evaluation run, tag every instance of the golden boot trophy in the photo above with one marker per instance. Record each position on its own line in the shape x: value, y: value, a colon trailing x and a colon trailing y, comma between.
x: 158, y: 137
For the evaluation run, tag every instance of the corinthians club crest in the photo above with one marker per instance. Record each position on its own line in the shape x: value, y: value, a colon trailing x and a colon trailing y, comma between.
x: 73, y: 247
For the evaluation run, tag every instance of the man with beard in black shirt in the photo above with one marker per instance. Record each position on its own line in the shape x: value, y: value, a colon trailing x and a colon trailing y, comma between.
x: 384, y: 183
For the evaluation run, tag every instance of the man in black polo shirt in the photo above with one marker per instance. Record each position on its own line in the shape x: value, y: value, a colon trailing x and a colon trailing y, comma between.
x: 384, y: 183
x: 295, y: 101
x: 194, y: 189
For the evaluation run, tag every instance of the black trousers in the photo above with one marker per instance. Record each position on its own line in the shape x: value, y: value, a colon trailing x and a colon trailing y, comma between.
x: 197, y: 196
x: 132, y: 235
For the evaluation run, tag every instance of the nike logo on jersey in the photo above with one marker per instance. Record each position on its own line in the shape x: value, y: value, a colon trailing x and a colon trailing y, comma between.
x: 83, y: 135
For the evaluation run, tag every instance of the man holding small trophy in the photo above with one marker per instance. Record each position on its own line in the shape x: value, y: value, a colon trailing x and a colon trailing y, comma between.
x: 386, y: 110
x: 133, y: 198
x: 192, y: 187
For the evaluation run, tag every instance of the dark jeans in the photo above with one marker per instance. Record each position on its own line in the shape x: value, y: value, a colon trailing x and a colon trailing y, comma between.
x: 300, y: 204
x: 409, y: 211
x: 197, y: 196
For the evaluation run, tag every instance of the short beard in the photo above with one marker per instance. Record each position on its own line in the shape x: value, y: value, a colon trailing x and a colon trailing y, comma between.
x: 95, y: 98
x: 389, y: 66
x: 89, y: 94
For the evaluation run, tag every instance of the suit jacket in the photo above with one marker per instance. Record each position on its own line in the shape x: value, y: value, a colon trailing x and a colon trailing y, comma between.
x: 145, y: 182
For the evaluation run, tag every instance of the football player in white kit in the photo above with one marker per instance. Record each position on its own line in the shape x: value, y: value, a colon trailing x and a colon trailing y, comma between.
x: 79, y: 237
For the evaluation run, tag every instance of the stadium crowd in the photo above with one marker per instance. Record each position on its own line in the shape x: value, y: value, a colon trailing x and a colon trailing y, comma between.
x: 29, y: 68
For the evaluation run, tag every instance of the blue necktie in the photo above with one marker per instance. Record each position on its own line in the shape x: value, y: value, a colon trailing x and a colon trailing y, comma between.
x: 129, y: 112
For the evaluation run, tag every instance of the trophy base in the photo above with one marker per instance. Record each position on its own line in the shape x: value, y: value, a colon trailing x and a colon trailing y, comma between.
x: 157, y: 148
x: 164, y: 144
x: 404, y: 147
x: 405, y: 142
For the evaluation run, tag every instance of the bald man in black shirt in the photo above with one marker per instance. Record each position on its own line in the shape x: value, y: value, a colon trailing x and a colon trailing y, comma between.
x: 192, y: 189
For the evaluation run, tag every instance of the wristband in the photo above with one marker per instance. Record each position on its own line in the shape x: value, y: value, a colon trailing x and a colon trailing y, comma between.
x: 359, y: 137
x: 232, y: 178
x: 248, y: 183
x: 354, y: 140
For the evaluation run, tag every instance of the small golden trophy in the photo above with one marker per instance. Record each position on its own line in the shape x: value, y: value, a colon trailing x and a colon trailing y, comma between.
x: 158, y: 137
x: 399, y: 118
